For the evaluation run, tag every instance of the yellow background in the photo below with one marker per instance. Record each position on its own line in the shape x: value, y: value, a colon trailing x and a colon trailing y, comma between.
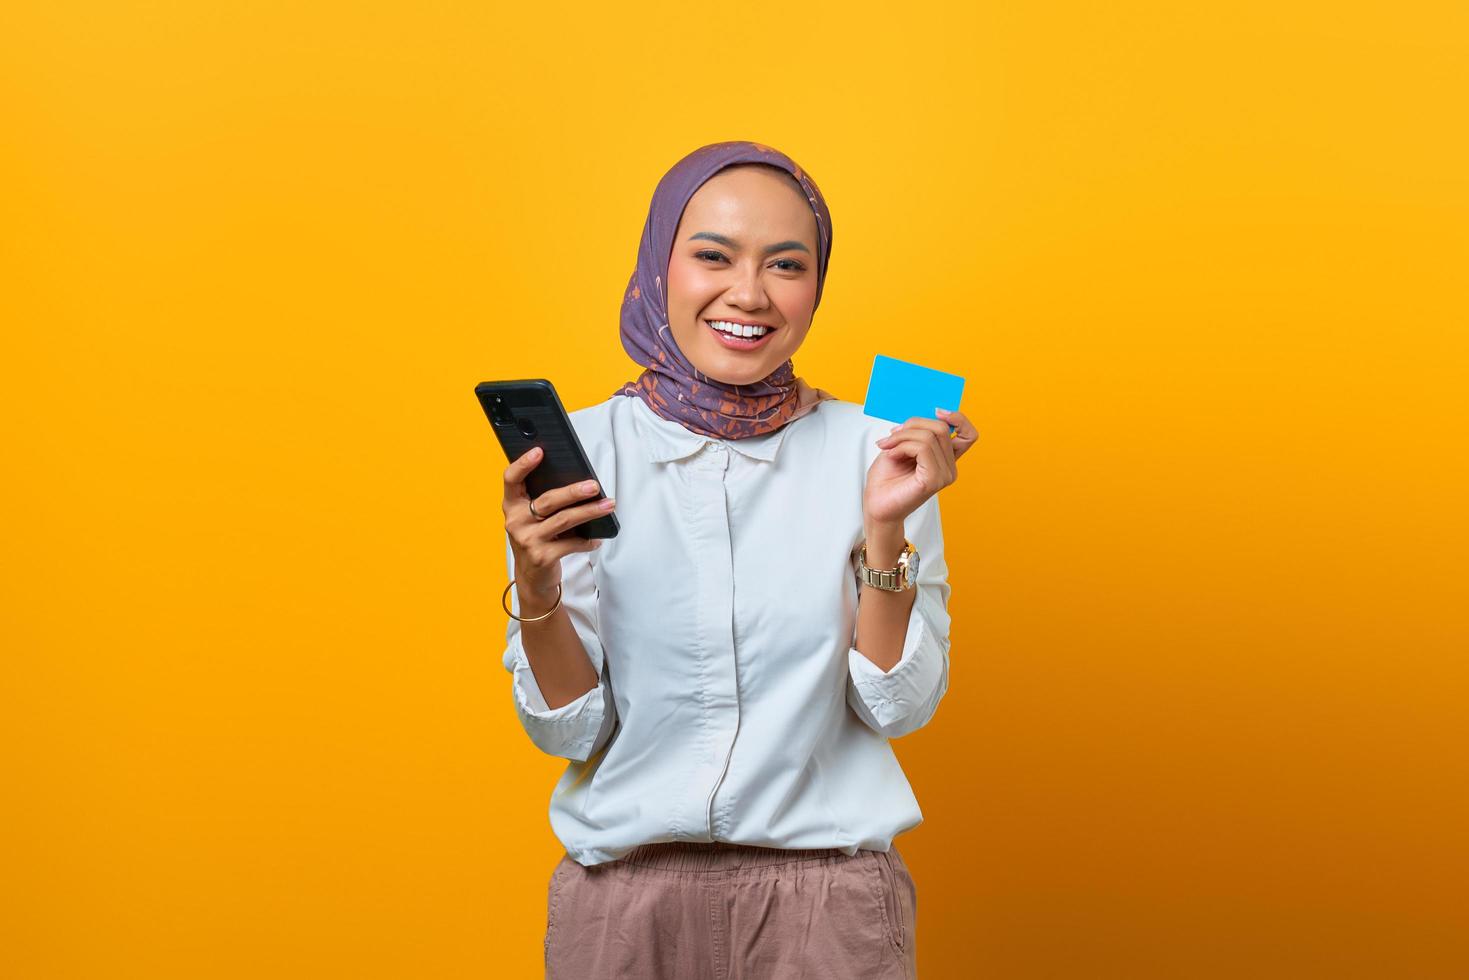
x: 1202, y: 265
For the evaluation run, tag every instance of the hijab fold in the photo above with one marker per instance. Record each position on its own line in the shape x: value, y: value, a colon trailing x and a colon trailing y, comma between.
x: 669, y: 384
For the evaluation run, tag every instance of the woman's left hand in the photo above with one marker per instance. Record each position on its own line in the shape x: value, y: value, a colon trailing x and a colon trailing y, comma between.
x: 917, y: 461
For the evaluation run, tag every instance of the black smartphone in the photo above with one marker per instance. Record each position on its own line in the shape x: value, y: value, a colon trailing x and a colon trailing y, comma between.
x: 528, y: 413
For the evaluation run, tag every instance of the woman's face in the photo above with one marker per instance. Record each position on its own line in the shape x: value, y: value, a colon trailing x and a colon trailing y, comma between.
x: 745, y: 252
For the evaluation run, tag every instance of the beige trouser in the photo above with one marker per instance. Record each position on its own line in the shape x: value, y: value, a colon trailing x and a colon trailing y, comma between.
x: 697, y: 911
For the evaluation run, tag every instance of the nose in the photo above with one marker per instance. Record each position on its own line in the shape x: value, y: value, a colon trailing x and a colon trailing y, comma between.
x: 747, y: 293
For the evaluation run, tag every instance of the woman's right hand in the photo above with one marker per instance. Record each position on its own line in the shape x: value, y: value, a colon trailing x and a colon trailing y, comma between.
x: 539, y: 545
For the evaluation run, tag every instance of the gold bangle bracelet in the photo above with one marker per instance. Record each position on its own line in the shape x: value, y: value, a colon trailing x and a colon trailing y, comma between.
x: 533, y: 619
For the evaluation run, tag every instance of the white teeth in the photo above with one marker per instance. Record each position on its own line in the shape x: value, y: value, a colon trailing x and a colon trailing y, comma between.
x: 739, y: 330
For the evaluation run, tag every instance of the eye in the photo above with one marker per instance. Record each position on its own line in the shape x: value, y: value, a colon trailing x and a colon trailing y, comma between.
x: 785, y: 265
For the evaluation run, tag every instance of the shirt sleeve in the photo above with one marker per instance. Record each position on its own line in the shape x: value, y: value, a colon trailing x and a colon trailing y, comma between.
x: 576, y: 730
x: 903, y: 699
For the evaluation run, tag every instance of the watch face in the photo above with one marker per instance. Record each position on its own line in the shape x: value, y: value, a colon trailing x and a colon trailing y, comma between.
x: 912, y: 576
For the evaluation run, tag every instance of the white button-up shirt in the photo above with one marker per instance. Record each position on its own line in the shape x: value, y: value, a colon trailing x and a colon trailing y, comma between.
x: 732, y: 704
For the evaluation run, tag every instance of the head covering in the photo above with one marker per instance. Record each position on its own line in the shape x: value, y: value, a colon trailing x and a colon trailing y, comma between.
x: 669, y: 384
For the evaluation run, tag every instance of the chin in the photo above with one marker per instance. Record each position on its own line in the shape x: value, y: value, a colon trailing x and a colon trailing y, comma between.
x: 740, y: 374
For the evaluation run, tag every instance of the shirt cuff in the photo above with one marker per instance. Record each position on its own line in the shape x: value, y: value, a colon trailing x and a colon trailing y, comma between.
x: 572, y: 731
x: 902, y: 699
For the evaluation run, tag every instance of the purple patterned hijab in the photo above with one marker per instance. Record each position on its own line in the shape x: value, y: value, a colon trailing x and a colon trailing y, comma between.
x: 669, y: 384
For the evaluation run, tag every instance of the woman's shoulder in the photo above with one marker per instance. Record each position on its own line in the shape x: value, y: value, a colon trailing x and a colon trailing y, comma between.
x: 610, y: 423
x: 610, y: 417
x: 595, y: 423
x: 841, y: 414
x: 599, y: 410
x: 837, y: 422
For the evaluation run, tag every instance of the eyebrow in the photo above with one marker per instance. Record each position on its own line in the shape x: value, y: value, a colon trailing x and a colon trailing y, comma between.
x: 731, y: 243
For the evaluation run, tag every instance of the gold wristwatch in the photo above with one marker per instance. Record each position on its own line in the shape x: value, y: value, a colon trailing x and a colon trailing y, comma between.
x: 905, y: 576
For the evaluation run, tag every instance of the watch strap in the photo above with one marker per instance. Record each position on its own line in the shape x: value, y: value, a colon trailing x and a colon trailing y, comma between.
x: 887, y: 579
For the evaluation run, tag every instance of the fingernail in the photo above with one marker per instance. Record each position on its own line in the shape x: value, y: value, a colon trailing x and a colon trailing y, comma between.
x: 589, y: 486
x: 607, y: 504
x: 943, y: 411
x: 535, y: 451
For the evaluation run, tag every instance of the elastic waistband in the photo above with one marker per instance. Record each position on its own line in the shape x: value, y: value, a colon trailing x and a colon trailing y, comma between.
x: 722, y: 856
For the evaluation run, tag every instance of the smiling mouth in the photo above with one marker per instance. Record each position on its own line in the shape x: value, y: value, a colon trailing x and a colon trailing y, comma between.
x: 737, y: 336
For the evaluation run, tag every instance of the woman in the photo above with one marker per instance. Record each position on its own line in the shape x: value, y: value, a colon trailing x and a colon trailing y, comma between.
x: 724, y: 675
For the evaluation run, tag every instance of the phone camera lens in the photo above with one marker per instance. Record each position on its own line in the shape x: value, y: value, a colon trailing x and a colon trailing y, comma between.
x: 527, y: 428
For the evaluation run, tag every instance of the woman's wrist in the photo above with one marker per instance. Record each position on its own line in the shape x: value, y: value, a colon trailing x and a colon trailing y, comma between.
x: 884, y: 542
x: 537, y: 598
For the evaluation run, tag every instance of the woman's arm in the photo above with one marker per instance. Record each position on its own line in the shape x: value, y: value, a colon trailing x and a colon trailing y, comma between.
x: 558, y: 667
x: 901, y: 693
x: 556, y: 655
x: 882, y: 616
x: 898, y: 668
x: 564, y: 702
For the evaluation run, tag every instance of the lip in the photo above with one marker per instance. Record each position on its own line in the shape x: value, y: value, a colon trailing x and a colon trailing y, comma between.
x: 741, y: 343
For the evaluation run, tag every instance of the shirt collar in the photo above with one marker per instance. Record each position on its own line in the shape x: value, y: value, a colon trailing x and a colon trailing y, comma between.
x: 665, y: 440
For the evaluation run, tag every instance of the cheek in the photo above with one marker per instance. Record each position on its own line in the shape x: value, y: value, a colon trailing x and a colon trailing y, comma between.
x: 686, y: 289
x: 797, y: 300
x: 687, y: 286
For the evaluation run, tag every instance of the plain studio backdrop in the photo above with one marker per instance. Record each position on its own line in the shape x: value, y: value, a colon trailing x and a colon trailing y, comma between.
x: 1202, y: 266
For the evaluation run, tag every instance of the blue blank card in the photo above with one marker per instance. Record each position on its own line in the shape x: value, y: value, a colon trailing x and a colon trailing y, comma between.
x: 898, y: 390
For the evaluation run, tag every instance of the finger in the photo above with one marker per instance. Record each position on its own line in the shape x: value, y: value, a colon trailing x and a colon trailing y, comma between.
x: 934, y: 425
x: 943, y: 445
x: 928, y: 470
x: 531, y: 531
x: 943, y: 457
x: 965, y: 434
x: 570, y: 517
x: 559, y: 498
x: 938, y: 428
x: 916, y: 425
x: 935, y: 450
x: 572, y: 544
x: 544, y: 555
x: 517, y: 471
x: 943, y: 454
